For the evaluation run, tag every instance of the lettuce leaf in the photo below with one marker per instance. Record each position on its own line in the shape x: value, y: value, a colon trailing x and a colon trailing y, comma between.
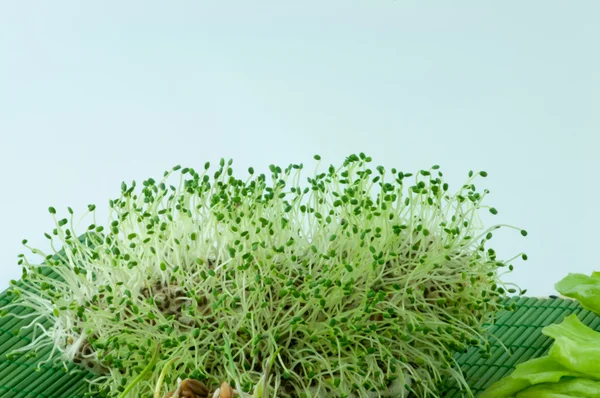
x: 576, y: 346
x: 526, y: 374
x: 569, y: 388
x: 572, y: 367
x: 583, y: 288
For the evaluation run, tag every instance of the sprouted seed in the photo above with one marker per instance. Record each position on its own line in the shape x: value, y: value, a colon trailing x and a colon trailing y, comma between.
x: 356, y: 282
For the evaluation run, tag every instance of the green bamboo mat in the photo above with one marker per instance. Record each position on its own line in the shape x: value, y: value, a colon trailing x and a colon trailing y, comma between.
x: 519, y: 331
x: 19, y: 377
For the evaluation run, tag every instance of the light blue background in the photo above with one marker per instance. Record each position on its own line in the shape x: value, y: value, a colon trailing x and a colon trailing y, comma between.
x: 93, y: 93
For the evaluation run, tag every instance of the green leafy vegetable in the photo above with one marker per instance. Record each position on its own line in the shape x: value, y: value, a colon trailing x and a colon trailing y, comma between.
x: 583, y: 288
x: 536, y: 371
x: 572, y: 366
x: 566, y: 388
x: 576, y: 346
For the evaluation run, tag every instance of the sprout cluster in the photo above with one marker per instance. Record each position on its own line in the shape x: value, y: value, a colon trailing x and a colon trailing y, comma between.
x: 355, y: 282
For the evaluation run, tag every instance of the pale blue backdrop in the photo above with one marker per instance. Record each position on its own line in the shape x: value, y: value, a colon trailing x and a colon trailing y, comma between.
x: 93, y: 93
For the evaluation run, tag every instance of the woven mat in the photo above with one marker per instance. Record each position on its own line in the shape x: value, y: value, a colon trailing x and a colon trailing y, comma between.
x: 21, y: 378
x: 519, y: 331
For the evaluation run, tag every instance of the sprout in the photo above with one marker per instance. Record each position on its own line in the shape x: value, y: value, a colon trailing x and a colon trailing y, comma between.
x: 356, y: 282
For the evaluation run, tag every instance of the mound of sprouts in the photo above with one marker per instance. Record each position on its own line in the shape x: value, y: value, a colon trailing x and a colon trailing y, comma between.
x: 355, y: 282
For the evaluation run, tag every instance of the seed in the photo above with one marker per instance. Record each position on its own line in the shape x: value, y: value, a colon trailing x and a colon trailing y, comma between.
x: 226, y: 390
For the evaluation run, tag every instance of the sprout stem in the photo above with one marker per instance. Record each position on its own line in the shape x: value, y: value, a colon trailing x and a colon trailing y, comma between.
x: 143, y: 373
